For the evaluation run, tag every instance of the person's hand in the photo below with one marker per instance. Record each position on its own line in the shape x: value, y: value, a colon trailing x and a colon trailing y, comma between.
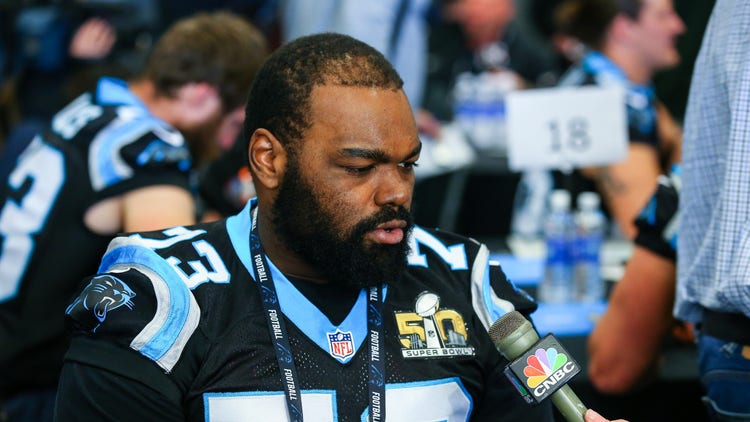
x: 592, y: 416
x: 93, y: 40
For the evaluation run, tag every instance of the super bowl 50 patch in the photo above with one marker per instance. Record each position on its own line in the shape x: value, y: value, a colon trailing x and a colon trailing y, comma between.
x: 431, y: 332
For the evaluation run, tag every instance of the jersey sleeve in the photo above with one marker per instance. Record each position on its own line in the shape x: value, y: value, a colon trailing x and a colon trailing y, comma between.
x: 87, y: 392
x: 493, y: 295
x: 640, y: 106
x: 657, y: 221
x: 135, y: 152
x: 641, y: 113
x: 136, y: 304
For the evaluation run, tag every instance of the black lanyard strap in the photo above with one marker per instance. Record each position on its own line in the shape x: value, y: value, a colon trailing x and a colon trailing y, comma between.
x: 377, y: 355
x: 279, y: 336
x: 276, y: 326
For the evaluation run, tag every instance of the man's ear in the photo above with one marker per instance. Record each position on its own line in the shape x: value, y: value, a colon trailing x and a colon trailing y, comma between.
x: 621, y: 27
x: 267, y: 158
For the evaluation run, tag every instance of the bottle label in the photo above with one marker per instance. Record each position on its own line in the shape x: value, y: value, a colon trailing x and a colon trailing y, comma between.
x: 557, y: 251
x: 587, y: 248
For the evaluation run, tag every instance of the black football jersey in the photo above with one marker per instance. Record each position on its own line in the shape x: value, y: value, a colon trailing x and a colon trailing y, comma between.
x: 101, y: 145
x: 640, y: 100
x: 640, y: 105
x: 184, y: 301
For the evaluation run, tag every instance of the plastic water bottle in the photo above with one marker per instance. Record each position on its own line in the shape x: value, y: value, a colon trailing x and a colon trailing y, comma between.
x: 479, y: 108
x: 557, y: 285
x: 466, y: 109
x: 590, y: 226
x: 530, y: 204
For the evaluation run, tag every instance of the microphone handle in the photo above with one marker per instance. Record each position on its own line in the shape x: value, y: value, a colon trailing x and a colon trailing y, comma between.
x: 569, y: 405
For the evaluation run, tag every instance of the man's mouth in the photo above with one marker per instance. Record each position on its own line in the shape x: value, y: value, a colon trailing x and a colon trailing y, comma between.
x: 389, y: 233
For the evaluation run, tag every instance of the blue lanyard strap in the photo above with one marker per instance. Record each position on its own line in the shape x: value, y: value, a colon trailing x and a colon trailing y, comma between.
x: 279, y: 338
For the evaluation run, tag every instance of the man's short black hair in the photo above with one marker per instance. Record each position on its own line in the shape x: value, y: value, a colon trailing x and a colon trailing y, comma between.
x: 279, y: 99
x: 589, y: 20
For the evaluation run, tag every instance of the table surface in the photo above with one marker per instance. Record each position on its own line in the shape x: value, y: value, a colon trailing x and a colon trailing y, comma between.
x: 522, y: 261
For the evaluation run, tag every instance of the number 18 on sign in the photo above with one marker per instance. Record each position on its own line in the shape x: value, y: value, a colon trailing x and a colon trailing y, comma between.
x: 560, y: 128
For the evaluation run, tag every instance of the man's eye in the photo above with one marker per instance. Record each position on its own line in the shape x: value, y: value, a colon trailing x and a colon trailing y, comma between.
x: 358, y: 171
x: 409, y: 165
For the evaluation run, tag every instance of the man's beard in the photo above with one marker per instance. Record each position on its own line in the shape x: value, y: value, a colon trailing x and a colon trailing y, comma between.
x: 309, y: 230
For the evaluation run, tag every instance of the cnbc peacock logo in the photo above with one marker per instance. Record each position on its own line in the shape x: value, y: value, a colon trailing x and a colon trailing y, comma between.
x: 547, y: 370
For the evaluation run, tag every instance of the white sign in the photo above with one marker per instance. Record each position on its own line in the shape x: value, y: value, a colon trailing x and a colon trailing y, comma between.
x: 559, y: 128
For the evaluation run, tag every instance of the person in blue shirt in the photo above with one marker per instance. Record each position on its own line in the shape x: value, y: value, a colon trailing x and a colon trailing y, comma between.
x: 713, y: 251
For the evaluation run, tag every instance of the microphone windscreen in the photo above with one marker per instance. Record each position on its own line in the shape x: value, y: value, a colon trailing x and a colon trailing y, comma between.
x: 506, y: 325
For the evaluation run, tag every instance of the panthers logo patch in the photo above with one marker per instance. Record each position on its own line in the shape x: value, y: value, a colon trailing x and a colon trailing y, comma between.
x: 102, y: 295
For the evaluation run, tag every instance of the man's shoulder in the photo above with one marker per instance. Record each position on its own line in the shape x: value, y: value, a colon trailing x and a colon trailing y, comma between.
x: 194, y: 256
x: 462, y: 265
x: 428, y: 247
x: 120, y: 142
x: 577, y: 75
x: 155, y: 291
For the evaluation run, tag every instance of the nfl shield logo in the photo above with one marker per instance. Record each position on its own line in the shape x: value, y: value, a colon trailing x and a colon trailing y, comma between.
x: 340, y: 344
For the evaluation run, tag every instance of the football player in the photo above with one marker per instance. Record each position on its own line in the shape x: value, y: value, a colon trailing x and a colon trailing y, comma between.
x: 116, y: 159
x: 320, y: 298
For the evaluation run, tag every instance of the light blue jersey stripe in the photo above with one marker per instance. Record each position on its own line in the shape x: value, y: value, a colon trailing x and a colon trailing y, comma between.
x: 179, y: 295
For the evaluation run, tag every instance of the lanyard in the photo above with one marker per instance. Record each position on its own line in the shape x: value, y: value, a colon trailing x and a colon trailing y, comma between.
x: 280, y: 339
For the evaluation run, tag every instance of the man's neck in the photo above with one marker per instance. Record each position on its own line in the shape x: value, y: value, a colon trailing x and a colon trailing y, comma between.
x: 283, y: 258
x: 158, y: 105
x: 334, y: 301
x: 630, y: 63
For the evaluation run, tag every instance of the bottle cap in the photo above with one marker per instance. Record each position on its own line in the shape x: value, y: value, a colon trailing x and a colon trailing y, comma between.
x: 559, y: 200
x: 588, y: 201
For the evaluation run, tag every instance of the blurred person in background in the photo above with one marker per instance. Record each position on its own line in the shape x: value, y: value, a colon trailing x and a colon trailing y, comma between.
x: 566, y: 49
x: 116, y: 159
x: 56, y: 50
x: 396, y: 28
x: 625, y: 346
x: 467, y: 39
x: 476, y: 56
x: 628, y: 42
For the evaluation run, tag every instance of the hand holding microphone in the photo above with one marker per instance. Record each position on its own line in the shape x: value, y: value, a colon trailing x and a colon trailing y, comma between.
x: 592, y: 416
x: 544, y: 370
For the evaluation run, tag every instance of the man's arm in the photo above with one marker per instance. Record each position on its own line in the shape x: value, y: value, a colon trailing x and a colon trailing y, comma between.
x: 87, y: 393
x: 626, y: 186
x: 624, y: 346
x: 157, y: 207
x: 670, y: 135
x: 126, y: 348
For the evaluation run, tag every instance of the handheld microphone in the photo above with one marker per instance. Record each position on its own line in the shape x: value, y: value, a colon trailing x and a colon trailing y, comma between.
x: 543, y: 369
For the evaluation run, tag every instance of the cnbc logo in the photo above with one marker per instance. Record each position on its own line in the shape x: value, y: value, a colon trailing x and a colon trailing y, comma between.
x: 544, y: 368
